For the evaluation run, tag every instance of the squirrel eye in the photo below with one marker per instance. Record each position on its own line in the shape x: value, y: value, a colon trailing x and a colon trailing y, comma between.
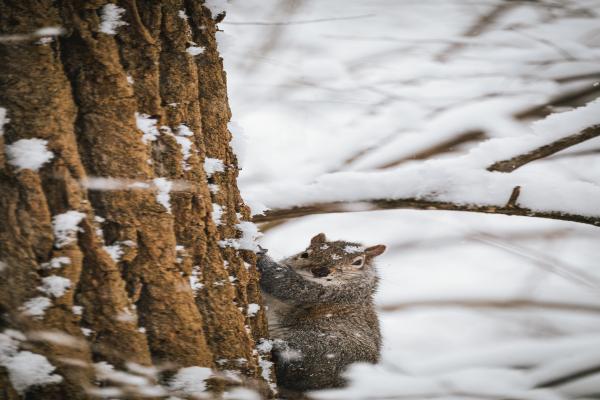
x: 304, y: 255
x: 357, y: 262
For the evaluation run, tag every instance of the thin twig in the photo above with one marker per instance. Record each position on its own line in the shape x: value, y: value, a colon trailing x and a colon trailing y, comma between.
x: 545, y: 151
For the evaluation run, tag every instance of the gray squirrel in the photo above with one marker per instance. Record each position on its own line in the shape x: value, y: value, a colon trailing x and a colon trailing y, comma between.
x: 320, y: 312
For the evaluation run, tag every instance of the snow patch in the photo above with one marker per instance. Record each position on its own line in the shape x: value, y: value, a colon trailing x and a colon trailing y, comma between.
x: 213, y: 165
x: 181, y: 14
x: 163, y: 186
x: 110, y: 18
x: 65, y: 227
x: 28, y: 153
x: 353, y: 249
x: 56, y: 262
x: 36, y: 307
x: 250, y: 234
x: 114, y: 251
x: 148, y: 126
x: 253, y: 308
x: 3, y: 120
x: 195, y: 50
x: 183, y: 133
x: 239, y: 141
x: 27, y: 369
x: 54, y: 285
x: 217, y: 213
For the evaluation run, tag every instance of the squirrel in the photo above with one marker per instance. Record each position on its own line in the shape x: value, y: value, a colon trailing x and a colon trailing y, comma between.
x: 320, y: 312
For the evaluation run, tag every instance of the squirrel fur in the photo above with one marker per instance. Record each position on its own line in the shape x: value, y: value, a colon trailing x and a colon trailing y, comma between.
x: 320, y: 312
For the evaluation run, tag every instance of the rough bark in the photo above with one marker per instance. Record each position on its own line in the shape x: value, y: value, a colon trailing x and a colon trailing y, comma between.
x: 80, y: 93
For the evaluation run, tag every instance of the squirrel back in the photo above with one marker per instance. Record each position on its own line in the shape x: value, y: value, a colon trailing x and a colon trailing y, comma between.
x: 321, y: 313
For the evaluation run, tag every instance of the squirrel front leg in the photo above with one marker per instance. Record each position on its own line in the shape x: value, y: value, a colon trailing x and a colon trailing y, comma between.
x: 282, y: 282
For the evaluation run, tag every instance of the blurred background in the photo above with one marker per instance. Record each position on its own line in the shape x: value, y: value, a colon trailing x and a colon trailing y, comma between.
x: 472, y: 306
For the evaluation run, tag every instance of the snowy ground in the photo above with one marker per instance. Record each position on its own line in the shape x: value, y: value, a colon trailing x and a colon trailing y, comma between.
x: 473, y: 306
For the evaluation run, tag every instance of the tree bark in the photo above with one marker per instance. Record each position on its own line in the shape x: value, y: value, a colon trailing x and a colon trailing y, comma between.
x: 80, y: 93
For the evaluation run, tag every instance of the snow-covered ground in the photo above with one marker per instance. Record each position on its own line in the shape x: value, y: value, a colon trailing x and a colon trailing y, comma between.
x: 472, y: 306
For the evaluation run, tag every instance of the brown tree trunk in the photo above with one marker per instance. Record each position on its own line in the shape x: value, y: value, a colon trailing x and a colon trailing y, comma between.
x: 80, y: 92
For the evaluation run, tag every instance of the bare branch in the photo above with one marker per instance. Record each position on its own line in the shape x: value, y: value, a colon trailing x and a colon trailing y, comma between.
x: 545, y: 151
x: 570, y: 377
x: 416, y: 204
x: 491, y: 303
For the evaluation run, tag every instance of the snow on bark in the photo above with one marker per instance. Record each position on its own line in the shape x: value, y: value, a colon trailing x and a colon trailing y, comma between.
x: 148, y: 126
x: 55, y: 285
x: 110, y: 16
x: 28, y: 153
x: 65, y: 227
x: 163, y: 188
x: 212, y: 166
x: 36, y: 307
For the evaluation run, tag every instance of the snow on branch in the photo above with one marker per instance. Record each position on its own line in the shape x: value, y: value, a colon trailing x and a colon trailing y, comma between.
x: 460, y: 184
x: 546, y: 150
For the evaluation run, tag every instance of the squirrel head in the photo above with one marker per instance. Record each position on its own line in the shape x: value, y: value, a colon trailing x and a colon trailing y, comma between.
x: 335, y: 262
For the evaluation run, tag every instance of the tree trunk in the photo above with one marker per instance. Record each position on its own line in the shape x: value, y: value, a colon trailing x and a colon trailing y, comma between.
x: 171, y: 295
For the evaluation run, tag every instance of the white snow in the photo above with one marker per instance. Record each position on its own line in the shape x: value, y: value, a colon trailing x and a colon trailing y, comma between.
x: 65, y: 227
x: 353, y: 249
x: 56, y: 263
x: 3, y: 120
x: 114, y: 251
x: 195, y: 50
x: 77, y: 310
x: 213, y: 165
x: 190, y: 381
x: 36, y: 307
x: 147, y: 125
x: 182, y: 138
x: 28, y: 153
x: 253, y: 308
x: 110, y: 18
x: 163, y: 188
x: 55, y: 285
x: 217, y: 213
x: 264, y: 346
x: 239, y: 141
x: 27, y: 369
x: 250, y: 234
x: 181, y: 14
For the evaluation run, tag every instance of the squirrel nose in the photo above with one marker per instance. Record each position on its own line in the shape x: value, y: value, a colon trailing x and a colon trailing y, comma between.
x: 320, y: 272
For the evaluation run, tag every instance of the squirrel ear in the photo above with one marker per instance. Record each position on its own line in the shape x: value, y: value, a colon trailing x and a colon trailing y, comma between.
x: 320, y: 238
x: 375, y: 251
